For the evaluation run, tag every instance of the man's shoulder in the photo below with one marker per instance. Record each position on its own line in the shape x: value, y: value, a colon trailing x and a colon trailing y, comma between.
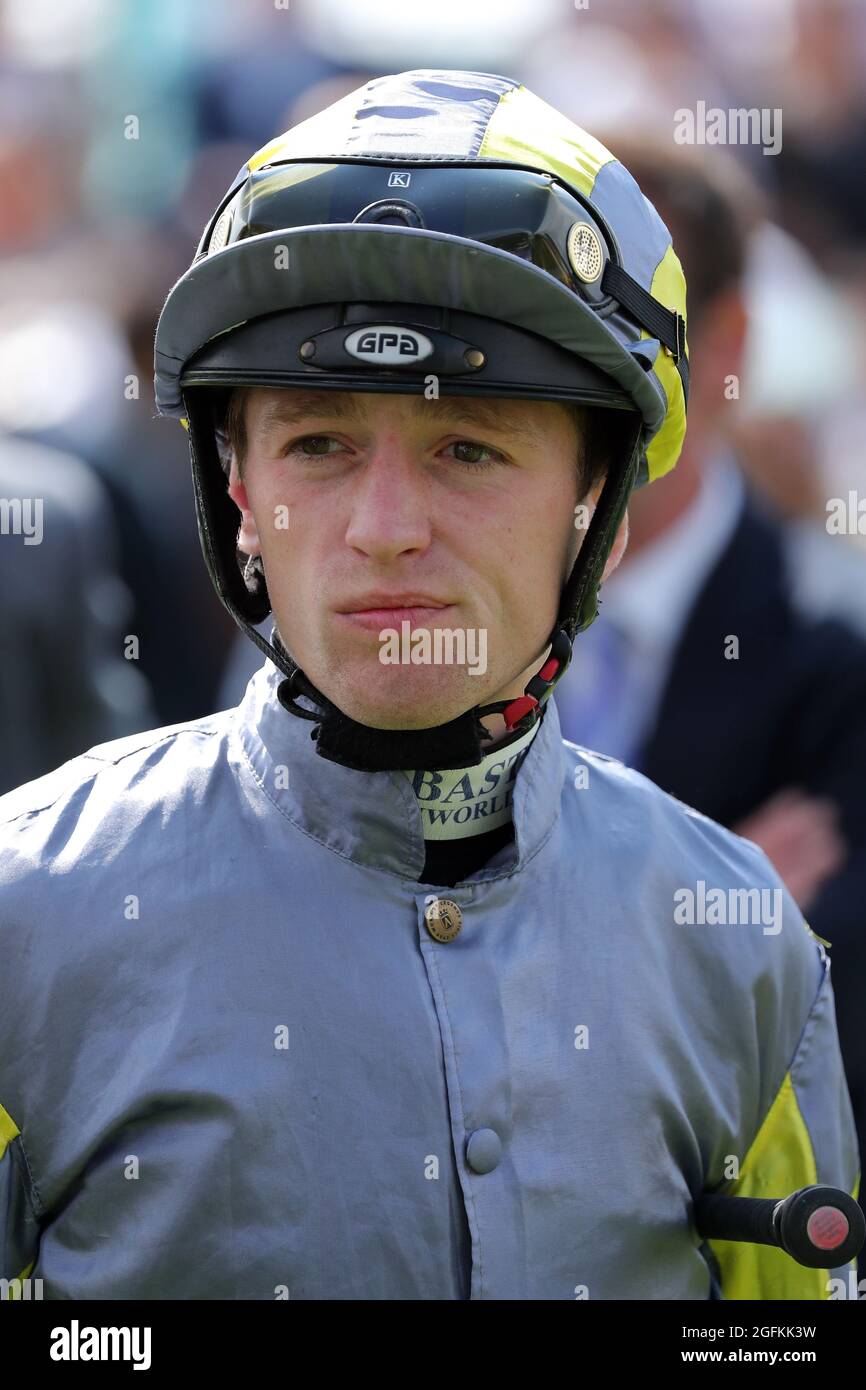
x: 715, y: 894
x: 111, y: 771
x: 678, y: 833
x: 631, y: 787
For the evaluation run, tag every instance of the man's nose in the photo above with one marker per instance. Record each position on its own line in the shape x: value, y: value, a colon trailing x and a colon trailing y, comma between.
x: 390, y: 504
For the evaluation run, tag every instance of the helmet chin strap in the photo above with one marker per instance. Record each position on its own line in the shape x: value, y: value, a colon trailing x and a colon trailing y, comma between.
x: 458, y: 743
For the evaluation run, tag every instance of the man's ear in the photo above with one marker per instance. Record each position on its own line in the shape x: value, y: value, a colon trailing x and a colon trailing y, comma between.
x: 620, y: 542
x: 248, y: 535
x: 618, y: 548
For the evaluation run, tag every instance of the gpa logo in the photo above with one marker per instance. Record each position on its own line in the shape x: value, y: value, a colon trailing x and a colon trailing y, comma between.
x: 388, y: 344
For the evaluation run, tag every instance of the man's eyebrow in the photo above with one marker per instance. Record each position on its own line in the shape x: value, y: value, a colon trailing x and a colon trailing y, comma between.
x: 489, y: 414
x: 298, y: 405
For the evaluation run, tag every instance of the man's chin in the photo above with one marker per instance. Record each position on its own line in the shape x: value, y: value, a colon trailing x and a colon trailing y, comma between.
x: 403, y: 698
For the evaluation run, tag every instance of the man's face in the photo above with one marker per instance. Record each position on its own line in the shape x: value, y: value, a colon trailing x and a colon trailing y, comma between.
x: 374, y: 511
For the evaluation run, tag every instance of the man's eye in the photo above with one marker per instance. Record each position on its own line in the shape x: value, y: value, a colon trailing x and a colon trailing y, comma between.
x: 299, y: 445
x: 468, y: 446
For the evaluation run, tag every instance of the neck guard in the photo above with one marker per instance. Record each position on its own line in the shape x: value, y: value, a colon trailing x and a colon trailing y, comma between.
x: 458, y: 804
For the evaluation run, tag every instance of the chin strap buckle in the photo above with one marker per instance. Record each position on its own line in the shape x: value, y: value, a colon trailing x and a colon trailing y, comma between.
x: 540, y: 688
x: 517, y: 710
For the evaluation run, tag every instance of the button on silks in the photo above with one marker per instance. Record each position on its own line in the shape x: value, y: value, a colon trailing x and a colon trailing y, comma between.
x: 443, y: 919
x: 483, y: 1150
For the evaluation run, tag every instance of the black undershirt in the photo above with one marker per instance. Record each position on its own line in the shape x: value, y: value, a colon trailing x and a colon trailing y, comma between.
x: 448, y: 862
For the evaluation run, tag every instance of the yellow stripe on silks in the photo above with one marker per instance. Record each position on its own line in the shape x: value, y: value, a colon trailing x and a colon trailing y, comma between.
x: 8, y: 1130
x: 815, y: 937
x: 524, y: 129
x: 669, y: 288
x: 780, y: 1160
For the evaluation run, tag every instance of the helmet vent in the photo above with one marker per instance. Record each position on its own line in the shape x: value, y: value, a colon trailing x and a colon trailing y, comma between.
x: 585, y: 253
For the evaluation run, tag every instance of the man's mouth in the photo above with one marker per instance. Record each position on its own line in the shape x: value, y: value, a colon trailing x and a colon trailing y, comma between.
x: 378, y: 611
x: 378, y: 618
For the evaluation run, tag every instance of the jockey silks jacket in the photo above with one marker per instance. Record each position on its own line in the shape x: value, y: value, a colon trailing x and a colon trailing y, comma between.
x: 237, y: 1063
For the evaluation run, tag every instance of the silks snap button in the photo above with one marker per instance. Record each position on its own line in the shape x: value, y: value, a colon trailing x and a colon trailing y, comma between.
x: 443, y: 919
x: 483, y: 1150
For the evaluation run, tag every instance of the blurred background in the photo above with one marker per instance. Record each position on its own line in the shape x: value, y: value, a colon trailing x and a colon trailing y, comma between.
x: 123, y: 123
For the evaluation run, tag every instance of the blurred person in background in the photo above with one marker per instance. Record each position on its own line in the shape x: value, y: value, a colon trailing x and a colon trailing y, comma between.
x: 82, y: 278
x: 67, y: 679
x: 701, y: 628
x: 64, y: 680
